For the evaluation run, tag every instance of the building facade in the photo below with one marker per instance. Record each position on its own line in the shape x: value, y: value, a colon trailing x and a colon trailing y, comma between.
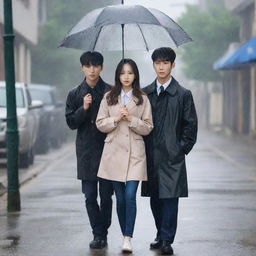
x: 239, y: 86
x: 27, y: 16
x: 232, y: 102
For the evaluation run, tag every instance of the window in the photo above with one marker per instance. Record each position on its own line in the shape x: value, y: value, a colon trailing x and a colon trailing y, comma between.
x: 19, y: 98
x: 44, y: 96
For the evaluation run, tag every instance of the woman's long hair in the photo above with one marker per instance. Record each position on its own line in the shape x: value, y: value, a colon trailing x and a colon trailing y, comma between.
x: 112, y: 97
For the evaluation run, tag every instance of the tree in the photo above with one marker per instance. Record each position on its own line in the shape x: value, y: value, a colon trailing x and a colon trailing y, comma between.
x: 60, y: 66
x: 212, y: 31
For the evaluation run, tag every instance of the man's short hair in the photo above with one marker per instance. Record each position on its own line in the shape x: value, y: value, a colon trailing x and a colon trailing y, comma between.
x: 91, y: 58
x: 164, y: 54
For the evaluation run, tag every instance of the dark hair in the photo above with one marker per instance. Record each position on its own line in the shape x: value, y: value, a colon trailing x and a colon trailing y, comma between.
x: 112, y: 97
x: 164, y: 54
x: 91, y: 58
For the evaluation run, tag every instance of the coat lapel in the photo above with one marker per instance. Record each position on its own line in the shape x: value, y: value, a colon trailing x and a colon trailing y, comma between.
x: 150, y: 88
x: 172, y: 87
x: 119, y: 101
x: 83, y: 88
x: 132, y: 103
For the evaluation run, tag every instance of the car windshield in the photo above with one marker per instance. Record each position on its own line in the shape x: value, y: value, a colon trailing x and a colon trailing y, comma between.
x: 43, y: 96
x: 19, y: 98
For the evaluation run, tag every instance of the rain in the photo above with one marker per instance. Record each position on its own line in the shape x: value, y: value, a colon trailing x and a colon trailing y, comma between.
x: 216, y: 62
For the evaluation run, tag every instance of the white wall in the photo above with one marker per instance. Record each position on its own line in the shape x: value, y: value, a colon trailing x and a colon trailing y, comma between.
x: 25, y: 24
x: 25, y: 18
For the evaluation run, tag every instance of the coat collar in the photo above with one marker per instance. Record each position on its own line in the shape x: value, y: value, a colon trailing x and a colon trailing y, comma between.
x: 131, y: 104
x: 99, y: 87
x: 171, y: 88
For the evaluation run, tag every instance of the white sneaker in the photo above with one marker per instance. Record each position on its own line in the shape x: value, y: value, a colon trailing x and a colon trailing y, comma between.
x: 127, y: 247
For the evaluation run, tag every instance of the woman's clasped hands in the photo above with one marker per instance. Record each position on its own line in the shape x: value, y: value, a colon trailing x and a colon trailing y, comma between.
x: 124, y: 115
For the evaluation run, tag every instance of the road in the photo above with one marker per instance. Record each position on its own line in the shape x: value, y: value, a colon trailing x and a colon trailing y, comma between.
x: 218, y: 218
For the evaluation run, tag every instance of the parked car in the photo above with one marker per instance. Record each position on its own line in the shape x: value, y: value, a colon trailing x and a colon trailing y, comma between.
x: 28, y: 123
x: 52, y: 127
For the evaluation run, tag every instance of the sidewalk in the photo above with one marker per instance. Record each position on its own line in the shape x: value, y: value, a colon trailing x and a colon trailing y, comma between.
x: 238, y: 149
x: 218, y: 218
x: 40, y: 164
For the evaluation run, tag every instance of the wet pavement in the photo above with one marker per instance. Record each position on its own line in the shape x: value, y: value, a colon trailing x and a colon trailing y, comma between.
x: 218, y: 218
x: 41, y: 163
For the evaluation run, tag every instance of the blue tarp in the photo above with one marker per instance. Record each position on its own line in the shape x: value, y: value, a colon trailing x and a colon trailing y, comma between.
x: 244, y: 56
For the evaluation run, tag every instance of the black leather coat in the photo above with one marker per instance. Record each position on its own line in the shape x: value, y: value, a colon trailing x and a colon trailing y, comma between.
x: 89, y: 140
x: 173, y: 136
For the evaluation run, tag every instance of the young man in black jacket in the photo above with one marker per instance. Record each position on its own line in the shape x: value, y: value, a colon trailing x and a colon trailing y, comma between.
x: 173, y: 136
x: 82, y: 107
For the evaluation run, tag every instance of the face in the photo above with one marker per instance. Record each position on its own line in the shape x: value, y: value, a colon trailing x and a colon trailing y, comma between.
x: 92, y: 72
x: 163, y: 68
x: 127, y: 76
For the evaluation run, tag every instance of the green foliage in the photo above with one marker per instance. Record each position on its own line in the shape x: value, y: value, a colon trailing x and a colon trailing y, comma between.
x: 60, y: 66
x: 212, y: 31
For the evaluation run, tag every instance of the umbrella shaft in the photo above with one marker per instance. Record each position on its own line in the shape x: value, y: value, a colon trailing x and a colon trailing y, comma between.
x: 123, y: 41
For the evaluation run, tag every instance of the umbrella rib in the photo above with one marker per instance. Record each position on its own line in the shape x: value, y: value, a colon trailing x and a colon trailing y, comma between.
x: 143, y: 37
x: 166, y: 28
x: 97, y: 38
x: 174, y: 40
x: 171, y: 36
x: 96, y: 21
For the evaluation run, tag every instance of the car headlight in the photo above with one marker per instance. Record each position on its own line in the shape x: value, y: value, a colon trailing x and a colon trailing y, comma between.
x: 22, y: 121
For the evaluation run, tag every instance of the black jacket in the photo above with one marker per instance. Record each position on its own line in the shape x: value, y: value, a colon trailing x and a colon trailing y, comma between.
x: 173, y: 136
x: 89, y: 140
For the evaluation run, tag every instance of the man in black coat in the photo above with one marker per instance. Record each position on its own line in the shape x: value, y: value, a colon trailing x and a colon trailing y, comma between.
x: 174, y: 134
x: 82, y: 107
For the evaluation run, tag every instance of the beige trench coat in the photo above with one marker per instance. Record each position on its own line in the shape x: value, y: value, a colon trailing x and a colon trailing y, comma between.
x: 123, y: 156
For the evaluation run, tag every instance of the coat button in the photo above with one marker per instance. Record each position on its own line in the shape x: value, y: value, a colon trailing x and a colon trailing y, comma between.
x: 92, y: 121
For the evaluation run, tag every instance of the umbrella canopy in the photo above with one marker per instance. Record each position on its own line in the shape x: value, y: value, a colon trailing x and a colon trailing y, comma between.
x: 125, y: 27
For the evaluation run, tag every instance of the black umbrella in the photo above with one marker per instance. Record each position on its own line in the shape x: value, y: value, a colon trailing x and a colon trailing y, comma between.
x: 125, y: 27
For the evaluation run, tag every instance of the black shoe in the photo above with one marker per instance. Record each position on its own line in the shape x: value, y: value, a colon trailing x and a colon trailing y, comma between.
x: 96, y: 243
x: 104, y: 242
x: 156, y: 244
x: 166, y: 248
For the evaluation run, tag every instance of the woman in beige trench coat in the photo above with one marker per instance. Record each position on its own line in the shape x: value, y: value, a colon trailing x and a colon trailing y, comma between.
x: 125, y: 115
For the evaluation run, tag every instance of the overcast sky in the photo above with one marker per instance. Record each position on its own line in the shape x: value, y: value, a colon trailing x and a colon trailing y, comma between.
x: 173, y: 8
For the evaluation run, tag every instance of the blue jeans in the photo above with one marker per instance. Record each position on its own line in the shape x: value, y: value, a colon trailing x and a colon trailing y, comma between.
x: 126, y: 205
